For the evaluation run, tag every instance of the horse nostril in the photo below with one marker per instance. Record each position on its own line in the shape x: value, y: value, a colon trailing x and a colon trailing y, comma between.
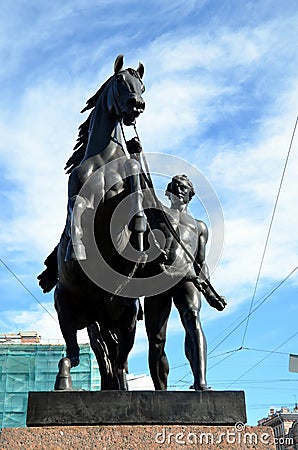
x: 132, y: 101
x: 142, y: 106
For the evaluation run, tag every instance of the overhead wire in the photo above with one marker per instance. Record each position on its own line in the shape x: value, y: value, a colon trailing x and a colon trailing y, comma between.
x: 269, y: 231
x: 263, y: 359
x: 229, y: 354
x: 265, y: 381
x: 262, y: 301
x: 26, y: 288
x: 265, y: 351
x: 245, y: 348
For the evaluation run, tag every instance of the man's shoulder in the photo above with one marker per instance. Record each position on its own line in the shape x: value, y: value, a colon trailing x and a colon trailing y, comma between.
x: 200, y: 223
x: 202, y: 227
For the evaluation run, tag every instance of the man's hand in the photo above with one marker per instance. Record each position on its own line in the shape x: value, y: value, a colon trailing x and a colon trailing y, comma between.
x: 134, y: 146
x: 218, y: 303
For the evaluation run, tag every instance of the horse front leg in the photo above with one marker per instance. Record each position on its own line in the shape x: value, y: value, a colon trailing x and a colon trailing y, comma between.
x: 72, y: 359
x: 78, y: 203
x: 138, y: 222
x: 63, y: 379
x: 69, y: 332
x: 75, y: 248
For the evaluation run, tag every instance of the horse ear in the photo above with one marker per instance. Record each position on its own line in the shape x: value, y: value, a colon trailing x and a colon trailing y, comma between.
x: 118, y: 63
x: 141, y: 70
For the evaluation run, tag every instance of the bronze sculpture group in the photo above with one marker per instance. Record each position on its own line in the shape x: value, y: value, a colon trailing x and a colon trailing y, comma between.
x: 109, y: 244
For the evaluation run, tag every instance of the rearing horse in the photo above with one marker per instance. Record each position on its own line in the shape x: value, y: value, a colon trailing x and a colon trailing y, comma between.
x: 97, y: 184
x: 119, y: 99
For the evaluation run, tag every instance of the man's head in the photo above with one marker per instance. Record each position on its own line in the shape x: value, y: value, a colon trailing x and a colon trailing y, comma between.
x: 180, y: 185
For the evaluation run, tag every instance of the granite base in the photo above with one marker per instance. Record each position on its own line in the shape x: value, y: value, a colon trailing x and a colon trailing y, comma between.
x: 138, y: 437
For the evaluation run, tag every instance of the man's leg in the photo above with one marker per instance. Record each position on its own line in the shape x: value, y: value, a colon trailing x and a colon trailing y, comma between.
x: 157, y: 310
x: 188, y: 302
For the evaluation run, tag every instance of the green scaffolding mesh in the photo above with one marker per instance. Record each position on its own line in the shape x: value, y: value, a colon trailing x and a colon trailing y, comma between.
x: 33, y: 367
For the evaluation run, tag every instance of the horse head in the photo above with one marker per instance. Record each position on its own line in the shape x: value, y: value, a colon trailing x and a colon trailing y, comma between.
x: 120, y: 98
x: 124, y: 98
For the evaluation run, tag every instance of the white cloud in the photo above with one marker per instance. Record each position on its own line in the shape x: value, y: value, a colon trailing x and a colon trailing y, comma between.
x: 140, y: 382
x: 218, y: 51
x: 250, y: 179
x: 38, y: 139
x: 35, y: 318
x: 42, y: 319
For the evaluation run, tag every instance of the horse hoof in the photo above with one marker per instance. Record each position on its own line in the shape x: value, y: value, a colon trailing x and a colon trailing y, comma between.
x: 63, y: 383
x: 63, y: 378
x: 75, y: 360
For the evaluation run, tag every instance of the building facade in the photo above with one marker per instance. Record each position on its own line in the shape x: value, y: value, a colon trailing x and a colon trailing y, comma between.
x: 281, y: 421
x: 27, y: 365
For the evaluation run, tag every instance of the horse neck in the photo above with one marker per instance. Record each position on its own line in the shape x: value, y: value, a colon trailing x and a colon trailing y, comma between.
x: 103, y: 127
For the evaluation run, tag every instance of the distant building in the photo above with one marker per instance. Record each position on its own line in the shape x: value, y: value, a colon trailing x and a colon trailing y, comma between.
x: 293, y: 436
x: 23, y: 337
x: 282, y: 421
x: 27, y: 365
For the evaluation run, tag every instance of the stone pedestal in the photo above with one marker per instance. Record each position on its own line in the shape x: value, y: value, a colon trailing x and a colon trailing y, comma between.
x: 136, y: 407
x: 137, y: 437
x: 136, y: 420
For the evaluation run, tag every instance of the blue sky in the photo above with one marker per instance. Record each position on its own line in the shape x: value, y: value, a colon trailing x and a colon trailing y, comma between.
x: 221, y: 93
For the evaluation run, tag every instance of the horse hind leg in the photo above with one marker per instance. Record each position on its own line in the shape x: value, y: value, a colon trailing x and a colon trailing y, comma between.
x: 104, y: 345
x: 126, y: 337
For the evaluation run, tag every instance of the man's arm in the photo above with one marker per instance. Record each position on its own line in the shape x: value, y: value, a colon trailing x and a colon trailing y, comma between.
x: 200, y: 266
x: 201, y: 269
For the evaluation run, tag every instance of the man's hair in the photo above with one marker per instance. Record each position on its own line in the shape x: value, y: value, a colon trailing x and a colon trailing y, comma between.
x: 184, y: 178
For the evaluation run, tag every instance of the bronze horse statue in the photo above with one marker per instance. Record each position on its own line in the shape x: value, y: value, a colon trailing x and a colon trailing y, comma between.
x: 102, y: 175
x: 102, y: 263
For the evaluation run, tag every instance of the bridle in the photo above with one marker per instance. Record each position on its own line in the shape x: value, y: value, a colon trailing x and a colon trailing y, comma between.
x: 146, y: 177
x: 145, y: 174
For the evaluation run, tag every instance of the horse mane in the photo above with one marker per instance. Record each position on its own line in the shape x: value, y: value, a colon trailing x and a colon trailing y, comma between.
x: 82, y: 139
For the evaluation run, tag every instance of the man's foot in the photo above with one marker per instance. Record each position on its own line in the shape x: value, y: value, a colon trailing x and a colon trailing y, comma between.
x: 200, y: 387
x: 75, y: 252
